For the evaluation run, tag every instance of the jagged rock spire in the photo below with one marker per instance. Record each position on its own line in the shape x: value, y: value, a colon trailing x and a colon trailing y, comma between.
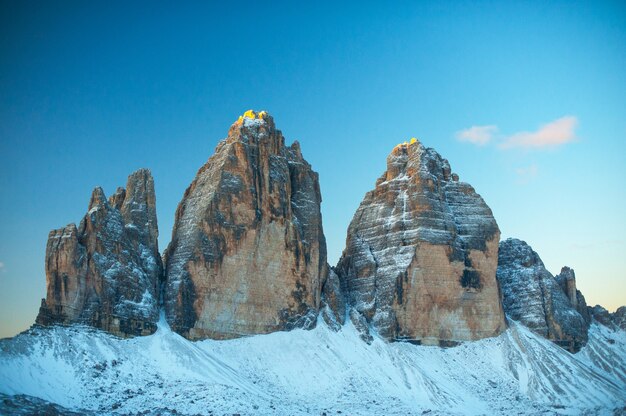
x: 248, y: 254
x: 105, y: 273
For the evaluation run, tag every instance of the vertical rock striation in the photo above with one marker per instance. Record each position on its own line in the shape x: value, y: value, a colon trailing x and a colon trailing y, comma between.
x: 550, y: 306
x: 333, y: 302
x: 421, y: 254
x: 105, y: 273
x: 567, y: 280
x: 248, y: 254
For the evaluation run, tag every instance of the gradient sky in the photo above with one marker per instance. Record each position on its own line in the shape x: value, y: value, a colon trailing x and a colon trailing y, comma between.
x: 527, y: 100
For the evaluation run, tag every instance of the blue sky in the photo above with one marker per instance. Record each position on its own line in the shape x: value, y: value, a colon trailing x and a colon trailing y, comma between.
x: 91, y: 92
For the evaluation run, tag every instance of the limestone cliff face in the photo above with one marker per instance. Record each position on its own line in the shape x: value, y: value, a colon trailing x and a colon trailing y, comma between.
x: 567, y: 280
x: 546, y: 304
x: 421, y: 254
x: 248, y: 254
x: 105, y: 273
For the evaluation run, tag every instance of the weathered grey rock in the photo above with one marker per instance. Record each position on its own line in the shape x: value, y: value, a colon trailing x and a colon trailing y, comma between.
x: 619, y: 317
x: 361, y: 325
x: 582, y: 308
x: 615, y: 320
x: 106, y: 272
x: 567, y: 280
x: 421, y: 254
x: 333, y: 302
x: 248, y: 254
x: 601, y: 315
x: 532, y: 296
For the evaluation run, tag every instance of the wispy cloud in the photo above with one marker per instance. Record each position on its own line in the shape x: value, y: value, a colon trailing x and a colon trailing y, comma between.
x: 1, y: 267
x: 478, y: 135
x: 526, y: 174
x: 549, y: 135
x: 552, y: 134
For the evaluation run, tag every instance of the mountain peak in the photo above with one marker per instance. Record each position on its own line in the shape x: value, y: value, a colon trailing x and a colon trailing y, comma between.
x: 405, y: 145
x: 252, y: 117
x: 418, y: 241
x: 248, y: 253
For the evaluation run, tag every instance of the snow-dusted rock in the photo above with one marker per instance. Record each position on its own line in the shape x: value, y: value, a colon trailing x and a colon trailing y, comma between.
x: 601, y: 315
x: 333, y: 301
x: 615, y: 320
x: 106, y: 272
x: 360, y: 324
x: 619, y: 317
x: 248, y: 254
x: 567, y: 280
x: 421, y: 254
x: 532, y: 296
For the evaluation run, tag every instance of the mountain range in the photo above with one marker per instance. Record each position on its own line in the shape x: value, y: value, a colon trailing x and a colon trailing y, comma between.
x: 427, y: 311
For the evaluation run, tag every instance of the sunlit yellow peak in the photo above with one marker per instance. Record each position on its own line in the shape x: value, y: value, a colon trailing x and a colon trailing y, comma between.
x: 406, y: 144
x: 253, y: 115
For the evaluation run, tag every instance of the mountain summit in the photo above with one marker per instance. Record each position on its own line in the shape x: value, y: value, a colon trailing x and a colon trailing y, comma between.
x: 421, y: 254
x: 106, y: 272
x: 248, y: 254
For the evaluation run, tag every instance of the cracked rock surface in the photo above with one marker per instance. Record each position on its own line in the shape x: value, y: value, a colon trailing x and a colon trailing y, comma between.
x: 248, y: 253
x: 550, y: 306
x: 421, y: 254
x: 105, y: 272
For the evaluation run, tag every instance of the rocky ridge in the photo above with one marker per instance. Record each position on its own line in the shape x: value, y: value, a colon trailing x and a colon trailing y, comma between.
x: 105, y: 272
x: 421, y: 254
x: 248, y: 256
x: 615, y: 320
x: 551, y: 306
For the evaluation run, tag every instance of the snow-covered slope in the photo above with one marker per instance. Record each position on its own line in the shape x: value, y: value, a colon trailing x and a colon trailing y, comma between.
x: 310, y: 372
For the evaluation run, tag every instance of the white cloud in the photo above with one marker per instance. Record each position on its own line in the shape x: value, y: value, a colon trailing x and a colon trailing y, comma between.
x: 1, y: 266
x: 478, y: 135
x: 552, y: 134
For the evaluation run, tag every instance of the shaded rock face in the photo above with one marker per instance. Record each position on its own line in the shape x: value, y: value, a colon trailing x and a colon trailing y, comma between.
x: 421, y: 254
x: 619, y: 317
x: 546, y: 304
x: 567, y: 280
x: 361, y: 325
x: 248, y: 254
x: 333, y: 302
x: 615, y: 320
x: 601, y: 315
x: 105, y: 273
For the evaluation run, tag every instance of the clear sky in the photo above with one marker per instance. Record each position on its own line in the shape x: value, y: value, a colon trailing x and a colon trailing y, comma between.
x: 527, y: 100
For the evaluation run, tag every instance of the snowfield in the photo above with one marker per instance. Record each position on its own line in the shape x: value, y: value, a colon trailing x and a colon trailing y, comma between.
x: 82, y: 370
